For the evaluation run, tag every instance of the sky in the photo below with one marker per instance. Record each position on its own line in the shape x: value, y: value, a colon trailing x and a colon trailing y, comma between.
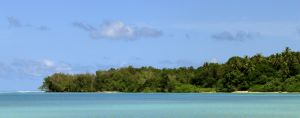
x: 42, y: 37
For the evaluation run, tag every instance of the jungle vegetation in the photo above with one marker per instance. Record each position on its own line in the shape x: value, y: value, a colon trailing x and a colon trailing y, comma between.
x: 273, y: 73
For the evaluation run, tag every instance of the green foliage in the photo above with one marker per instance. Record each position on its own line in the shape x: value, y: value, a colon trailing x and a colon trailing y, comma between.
x: 292, y: 84
x: 188, y: 88
x: 277, y: 72
x: 185, y: 88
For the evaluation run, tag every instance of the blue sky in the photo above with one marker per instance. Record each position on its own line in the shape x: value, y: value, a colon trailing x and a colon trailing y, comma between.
x: 38, y: 38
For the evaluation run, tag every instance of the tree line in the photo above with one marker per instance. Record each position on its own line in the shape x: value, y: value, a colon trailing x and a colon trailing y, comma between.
x: 277, y: 72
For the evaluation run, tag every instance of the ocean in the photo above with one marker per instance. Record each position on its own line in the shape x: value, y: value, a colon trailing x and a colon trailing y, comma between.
x: 149, y: 105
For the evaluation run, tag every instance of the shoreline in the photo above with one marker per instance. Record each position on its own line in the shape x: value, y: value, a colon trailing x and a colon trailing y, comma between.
x: 245, y: 92
x: 118, y: 92
x: 213, y: 92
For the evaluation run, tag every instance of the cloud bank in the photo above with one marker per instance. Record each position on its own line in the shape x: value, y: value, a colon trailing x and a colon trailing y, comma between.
x: 31, y: 69
x: 117, y: 30
x: 38, y: 69
x: 235, y: 36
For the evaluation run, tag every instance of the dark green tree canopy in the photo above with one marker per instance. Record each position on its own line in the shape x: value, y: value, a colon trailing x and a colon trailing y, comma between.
x: 277, y: 72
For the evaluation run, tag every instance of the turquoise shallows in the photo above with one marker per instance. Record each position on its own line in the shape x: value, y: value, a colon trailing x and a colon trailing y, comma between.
x: 153, y: 105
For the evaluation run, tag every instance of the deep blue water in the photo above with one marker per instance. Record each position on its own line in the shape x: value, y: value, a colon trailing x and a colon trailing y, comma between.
x: 121, y: 105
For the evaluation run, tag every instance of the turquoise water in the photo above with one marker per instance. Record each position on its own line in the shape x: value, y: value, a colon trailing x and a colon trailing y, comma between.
x: 98, y: 105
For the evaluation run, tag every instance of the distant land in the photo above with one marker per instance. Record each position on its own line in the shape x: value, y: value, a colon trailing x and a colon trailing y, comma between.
x: 278, y: 72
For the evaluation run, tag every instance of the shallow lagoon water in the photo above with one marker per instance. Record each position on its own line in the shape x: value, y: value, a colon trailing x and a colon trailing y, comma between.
x: 152, y: 105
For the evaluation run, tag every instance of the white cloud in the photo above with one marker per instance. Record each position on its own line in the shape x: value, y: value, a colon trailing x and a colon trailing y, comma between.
x: 26, y: 69
x: 37, y: 68
x: 114, y: 30
x: 48, y: 63
x: 118, y: 30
